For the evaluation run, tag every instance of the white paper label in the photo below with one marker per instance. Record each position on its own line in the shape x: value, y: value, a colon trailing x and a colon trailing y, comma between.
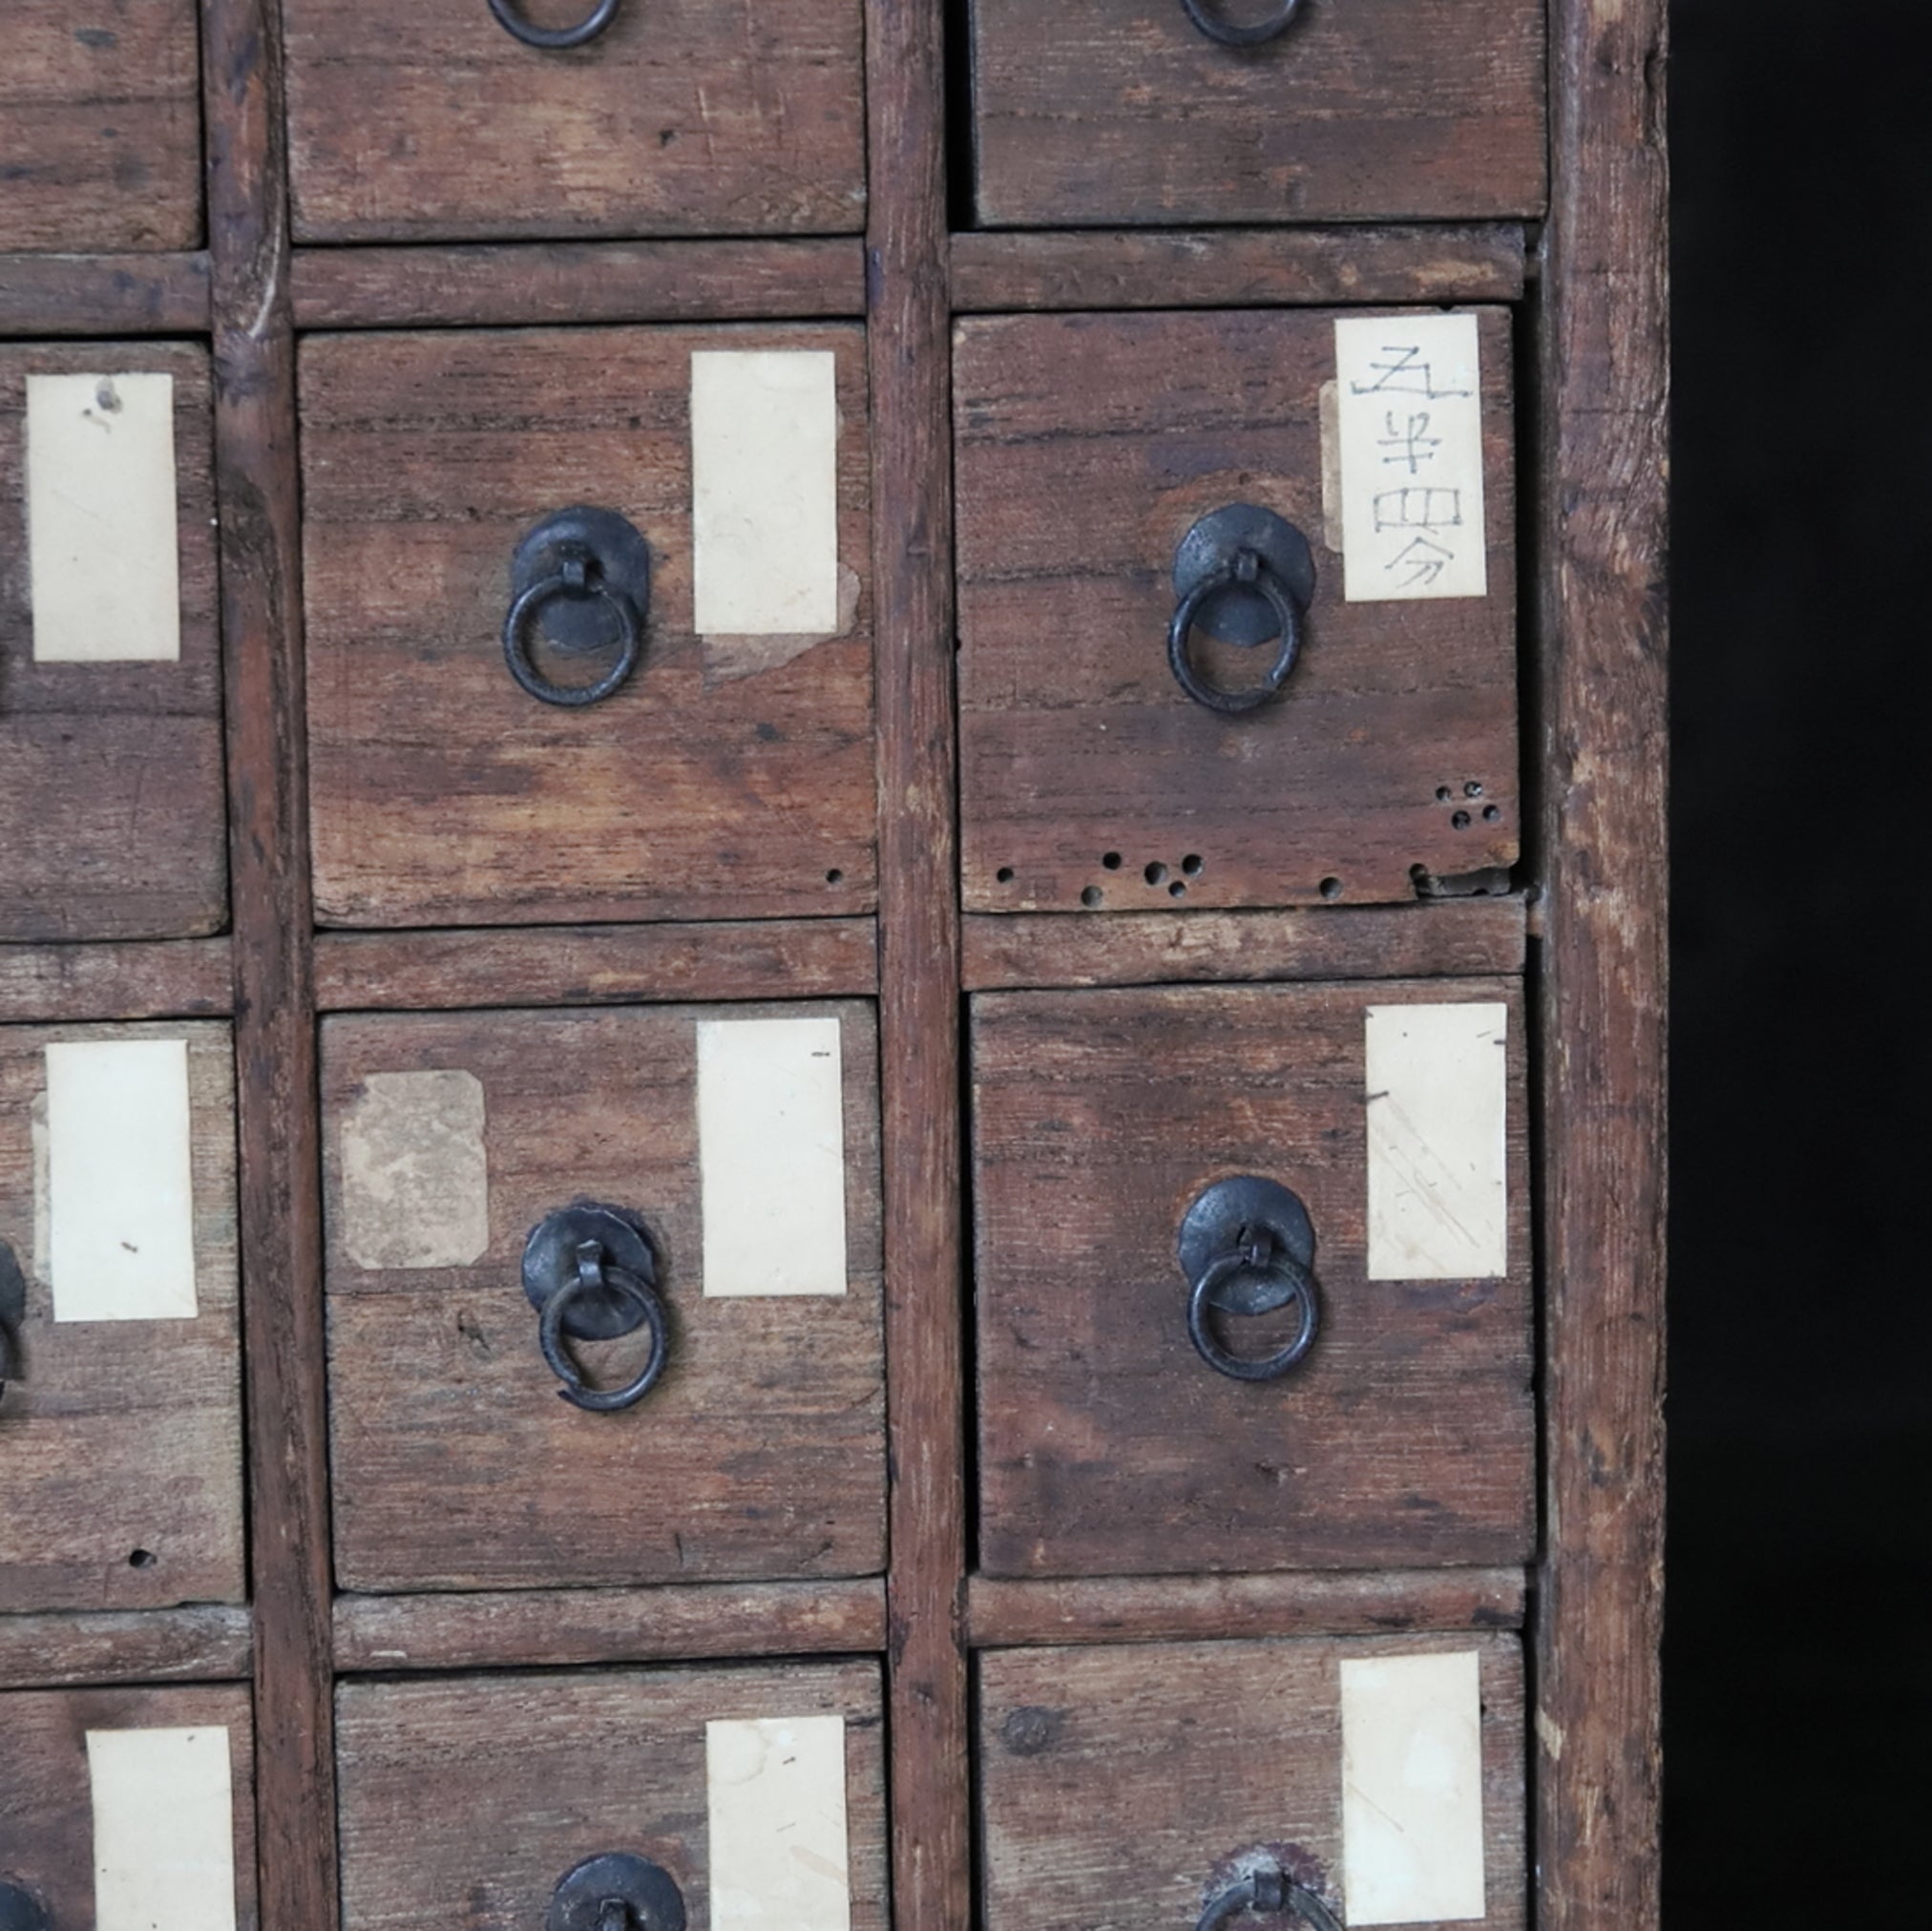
x: 1412, y: 1789
x: 163, y: 1830
x: 1410, y: 396
x: 1437, y: 1092
x: 103, y: 547
x: 415, y: 1171
x: 771, y: 1149
x: 765, y: 491
x: 776, y: 1788
x: 120, y: 1200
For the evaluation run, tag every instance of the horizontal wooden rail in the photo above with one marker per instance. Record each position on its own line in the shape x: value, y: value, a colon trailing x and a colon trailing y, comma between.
x: 103, y: 295
x: 204, y: 1643
x: 187, y: 979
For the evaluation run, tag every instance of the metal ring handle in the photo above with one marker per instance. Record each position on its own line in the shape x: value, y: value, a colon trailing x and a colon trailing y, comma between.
x: 1268, y: 1892
x: 1228, y: 34
x: 573, y: 579
x: 513, y: 24
x: 1248, y: 569
x: 1263, y: 1258
x: 592, y: 1273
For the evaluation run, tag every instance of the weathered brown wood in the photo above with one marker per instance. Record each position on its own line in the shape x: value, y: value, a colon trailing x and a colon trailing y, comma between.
x: 535, y: 1772
x: 47, y: 1798
x: 203, y: 1643
x: 178, y: 978
x: 564, y: 282
x: 120, y: 1441
x: 97, y: 295
x: 1235, y: 267
x: 1452, y: 939
x: 1006, y: 1614
x: 728, y: 778
x: 1106, y: 1445
x: 680, y: 119
x: 907, y: 340
x: 760, y: 1453
x: 100, y: 126
x: 1151, y: 1771
x: 111, y: 772
x: 1600, y: 541
x: 1087, y: 445
x: 1122, y: 111
x: 508, y: 1629
x: 592, y: 965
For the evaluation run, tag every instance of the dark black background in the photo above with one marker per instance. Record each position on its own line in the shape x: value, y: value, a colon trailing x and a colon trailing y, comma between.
x: 1798, y: 1652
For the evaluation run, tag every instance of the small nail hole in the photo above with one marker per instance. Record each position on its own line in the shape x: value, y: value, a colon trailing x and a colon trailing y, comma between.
x: 1331, y: 888
x: 1004, y: 875
x: 1091, y: 896
x: 1177, y: 889
x: 141, y: 1559
x: 1191, y: 865
x: 1491, y: 813
x: 834, y: 876
x: 1472, y: 790
x: 1111, y: 860
x: 1156, y: 874
x: 1461, y: 820
x: 1443, y: 794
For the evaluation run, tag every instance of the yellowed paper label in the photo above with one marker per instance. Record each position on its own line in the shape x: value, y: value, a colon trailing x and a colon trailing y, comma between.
x: 163, y: 1830
x: 415, y: 1171
x: 777, y: 1798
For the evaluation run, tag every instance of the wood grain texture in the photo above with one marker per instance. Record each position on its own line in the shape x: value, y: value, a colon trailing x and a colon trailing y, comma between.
x: 1086, y: 447
x: 1235, y: 267
x: 1143, y: 1773
x: 720, y: 782
x: 1601, y: 541
x: 1452, y: 939
x: 760, y: 1454
x: 593, y: 965
x: 507, y: 1628
x: 97, y: 295
x: 535, y: 1772
x: 47, y: 1800
x: 120, y: 1442
x: 1122, y: 111
x: 178, y: 978
x: 680, y: 119
x: 1007, y: 1614
x: 100, y: 125
x: 1107, y: 1446
x: 582, y: 281
x: 205, y: 1642
x: 110, y: 786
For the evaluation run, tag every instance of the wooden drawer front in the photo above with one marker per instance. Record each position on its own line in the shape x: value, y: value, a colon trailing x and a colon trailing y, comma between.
x: 120, y: 1426
x: 100, y: 126
x: 1161, y: 1773
x: 1088, y: 445
x: 1124, y: 111
x: 129, y: 1810
x: 713, y: 1776
x: 680, y: 117
x: 760, y: 1452
x: 1405, y: 1435
x: 111, y: 778
x: 730, y: 776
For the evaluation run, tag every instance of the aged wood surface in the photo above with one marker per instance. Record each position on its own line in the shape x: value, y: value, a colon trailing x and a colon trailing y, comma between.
x: 120, y: 1441
x: 1601, y: 540
x: 100, y: 125
x: 1452, y: 938
x: 1107, y: 1446
x: 578, y: 282
x: 535, y: 1772
x: 177, y: 978
x: 1235, y: 267
x: 728, y: 778
x: 1122, y: 111
x: 1087, y: 445
x: 1006, y: 1614
x: 97, y: 295
x: 760, y: 1452
x: 205, y: 1642
x: 680, y: 119
x: 111, y: 773
x: 1142, y: 1774
x: 510, y: 1627
x: 592, y: 965
x: 47, y: 1801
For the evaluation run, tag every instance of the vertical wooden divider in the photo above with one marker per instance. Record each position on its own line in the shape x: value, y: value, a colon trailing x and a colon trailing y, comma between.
x: 909, y: 334
x: 258, y: 493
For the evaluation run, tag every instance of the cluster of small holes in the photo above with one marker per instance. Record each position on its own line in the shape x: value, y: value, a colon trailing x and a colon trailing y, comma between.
x: 1462, y: 816
x: 1157, y: 873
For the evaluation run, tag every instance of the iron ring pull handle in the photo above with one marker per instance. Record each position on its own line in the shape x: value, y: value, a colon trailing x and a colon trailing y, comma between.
x: 1268, y: 1892
x: 20, y: 1910
x: 1209, y: 23
x: 577, y: 576
x: 1260, y: 1256
x: 596, y: 1274
x: 1248, y: 569
x: 617, y: 1891
x: 513, y: 24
